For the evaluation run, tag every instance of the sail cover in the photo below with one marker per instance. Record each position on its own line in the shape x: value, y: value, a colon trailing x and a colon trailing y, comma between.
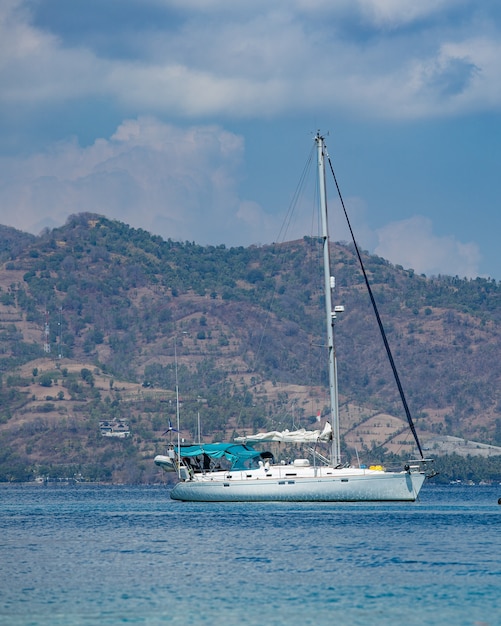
x: 235, y: 453
x: 290, y: 436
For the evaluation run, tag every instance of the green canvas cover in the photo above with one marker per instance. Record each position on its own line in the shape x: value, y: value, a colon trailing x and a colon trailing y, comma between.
x: 236, y: 454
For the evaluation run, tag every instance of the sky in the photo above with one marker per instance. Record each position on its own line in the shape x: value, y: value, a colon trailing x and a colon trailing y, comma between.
x: 194, y: 119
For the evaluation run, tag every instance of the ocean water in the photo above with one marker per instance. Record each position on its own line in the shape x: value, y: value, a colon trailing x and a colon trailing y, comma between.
x: 129, y: 555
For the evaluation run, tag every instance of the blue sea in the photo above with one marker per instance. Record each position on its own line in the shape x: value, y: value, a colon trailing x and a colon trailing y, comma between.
x: 129, y: 555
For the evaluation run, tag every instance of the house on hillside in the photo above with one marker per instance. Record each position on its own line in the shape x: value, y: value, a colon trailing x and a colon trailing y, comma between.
x: 118, y: 428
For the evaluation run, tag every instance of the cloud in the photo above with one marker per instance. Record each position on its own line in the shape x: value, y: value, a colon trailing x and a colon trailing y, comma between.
x: 413, y: 244
x: 35, y: 67
x: 273, y: 64
x: 395, y: 13
x: 375, y: 11
x: 178, y: 183
x: 262, y: 59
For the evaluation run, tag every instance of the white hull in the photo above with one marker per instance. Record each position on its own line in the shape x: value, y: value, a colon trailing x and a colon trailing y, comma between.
x: 318, y: 485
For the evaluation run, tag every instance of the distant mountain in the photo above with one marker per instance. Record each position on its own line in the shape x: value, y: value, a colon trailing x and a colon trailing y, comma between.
x: 93, y: 313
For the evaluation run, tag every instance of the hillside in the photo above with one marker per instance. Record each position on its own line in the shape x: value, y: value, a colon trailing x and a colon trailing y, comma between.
x: 93, y: 313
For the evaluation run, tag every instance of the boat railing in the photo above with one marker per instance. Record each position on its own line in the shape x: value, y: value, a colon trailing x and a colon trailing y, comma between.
x: 422, y: 466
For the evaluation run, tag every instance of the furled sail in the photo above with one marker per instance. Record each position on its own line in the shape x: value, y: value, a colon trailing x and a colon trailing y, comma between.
x: 290, y: 436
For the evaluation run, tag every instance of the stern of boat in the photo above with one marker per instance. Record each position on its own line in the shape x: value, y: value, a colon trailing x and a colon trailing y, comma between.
x: 421, y: 466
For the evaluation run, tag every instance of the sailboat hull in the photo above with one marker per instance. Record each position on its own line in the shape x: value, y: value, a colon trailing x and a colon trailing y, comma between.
x: 359, y: 487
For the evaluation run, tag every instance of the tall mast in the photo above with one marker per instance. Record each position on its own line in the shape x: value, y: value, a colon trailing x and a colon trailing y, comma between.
x: 177, y: 411
x: 330, y: 313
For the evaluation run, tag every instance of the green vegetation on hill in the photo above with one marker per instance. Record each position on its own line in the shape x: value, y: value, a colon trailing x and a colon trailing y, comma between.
x: 452, y: 468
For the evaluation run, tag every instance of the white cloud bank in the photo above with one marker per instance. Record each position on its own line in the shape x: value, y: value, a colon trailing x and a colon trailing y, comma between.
x: 413, y: 244
x: 178, y: 183
x: 386, y: 59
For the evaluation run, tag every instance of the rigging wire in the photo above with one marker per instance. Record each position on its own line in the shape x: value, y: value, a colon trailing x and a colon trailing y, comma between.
x: 378, y: 318
x: 295, y: 198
